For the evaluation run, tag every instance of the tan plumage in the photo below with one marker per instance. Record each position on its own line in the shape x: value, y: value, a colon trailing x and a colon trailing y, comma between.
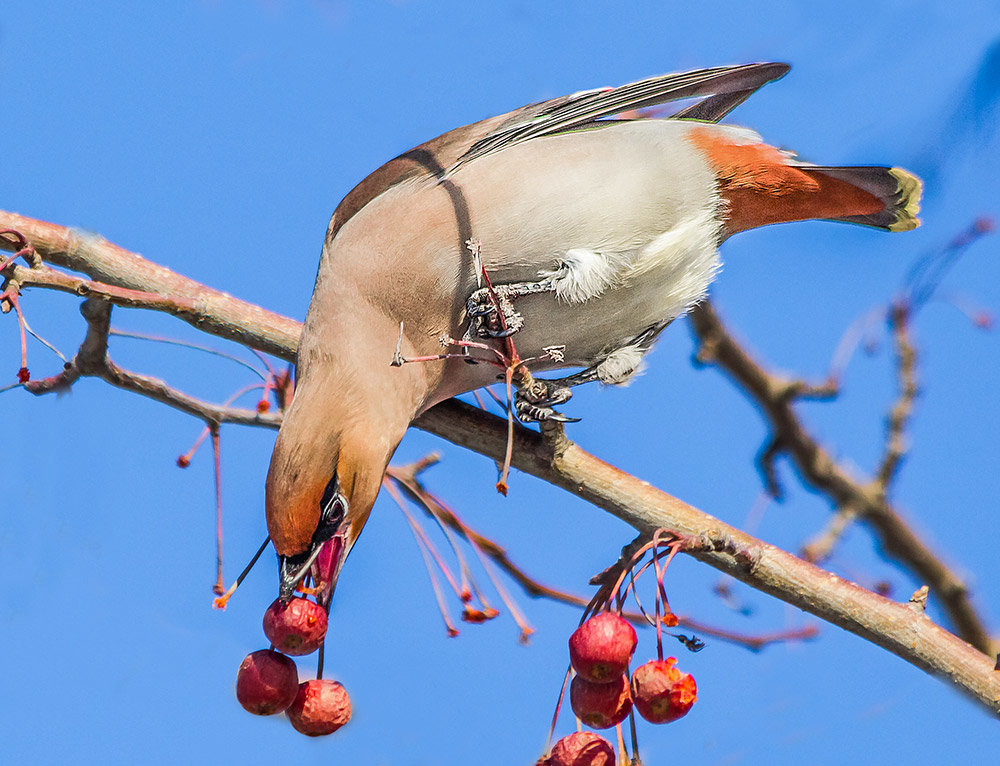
x: 620, y: 219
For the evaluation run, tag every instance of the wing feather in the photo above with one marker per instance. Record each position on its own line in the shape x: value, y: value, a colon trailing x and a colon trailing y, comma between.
x: 724, y: 88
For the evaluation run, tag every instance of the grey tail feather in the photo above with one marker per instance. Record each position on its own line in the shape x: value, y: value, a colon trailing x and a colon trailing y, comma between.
x: 898, y: 189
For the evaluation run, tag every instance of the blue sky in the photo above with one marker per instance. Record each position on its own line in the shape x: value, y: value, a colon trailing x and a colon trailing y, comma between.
x: 216, y: 137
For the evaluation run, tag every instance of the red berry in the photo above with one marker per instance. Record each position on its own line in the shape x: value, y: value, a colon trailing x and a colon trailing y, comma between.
x: 600, y: 706
x: 661, y: 692
x: 581, y: 748
x: 267, y: 682
x: 320, y: 707
x: 297, y: 627
x: 602, y: 647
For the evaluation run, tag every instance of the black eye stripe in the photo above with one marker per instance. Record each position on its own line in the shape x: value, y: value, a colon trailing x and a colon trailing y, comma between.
x: 331, y: 493
x: 333, y: 508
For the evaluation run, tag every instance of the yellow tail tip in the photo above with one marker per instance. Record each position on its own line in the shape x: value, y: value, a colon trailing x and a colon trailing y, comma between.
x: 910, y: 189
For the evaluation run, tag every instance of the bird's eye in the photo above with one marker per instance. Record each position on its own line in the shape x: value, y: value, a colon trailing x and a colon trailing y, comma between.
x: 333, y: 505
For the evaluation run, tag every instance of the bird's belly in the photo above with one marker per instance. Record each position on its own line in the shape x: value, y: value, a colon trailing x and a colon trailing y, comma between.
x: 670, y: 275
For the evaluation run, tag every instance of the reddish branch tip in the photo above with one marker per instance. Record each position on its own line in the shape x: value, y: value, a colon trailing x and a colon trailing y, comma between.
x: 263, y: 406
x: 600, y: 706
x: 661, y: 692
x: 295, y: 628
x: 985, y: 225
x: 601, y: 649
x: 476, y: 616
x: 984, y: 320
x: 581, y: 748
x: 266, y: 682
x: 23, y: 376
x: 183, y: 461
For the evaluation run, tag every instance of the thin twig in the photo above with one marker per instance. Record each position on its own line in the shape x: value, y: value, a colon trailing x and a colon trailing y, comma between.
x: 194, y: 346
x: 902, y: 409
x: 219, y: 587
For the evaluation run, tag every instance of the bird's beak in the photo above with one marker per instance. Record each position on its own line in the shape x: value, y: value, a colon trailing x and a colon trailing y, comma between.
x: 325, y: 556
x: 323, y: 561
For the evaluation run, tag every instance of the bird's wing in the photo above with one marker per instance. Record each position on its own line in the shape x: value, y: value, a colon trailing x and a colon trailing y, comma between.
x: 721, y: 89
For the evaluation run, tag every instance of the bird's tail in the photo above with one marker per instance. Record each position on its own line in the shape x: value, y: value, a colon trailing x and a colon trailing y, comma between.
x: 897, y: 193
x: 761, y: 185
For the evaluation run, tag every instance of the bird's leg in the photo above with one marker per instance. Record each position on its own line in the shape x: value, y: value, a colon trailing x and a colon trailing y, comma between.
x: 491, y: 309
x: 535, y: 399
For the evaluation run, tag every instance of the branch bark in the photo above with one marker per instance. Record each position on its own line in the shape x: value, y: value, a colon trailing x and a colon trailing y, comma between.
x: 550, y: 456
x: 775, y: 396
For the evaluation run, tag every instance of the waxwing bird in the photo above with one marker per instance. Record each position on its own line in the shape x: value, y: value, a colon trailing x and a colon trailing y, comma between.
x: 594, y: 226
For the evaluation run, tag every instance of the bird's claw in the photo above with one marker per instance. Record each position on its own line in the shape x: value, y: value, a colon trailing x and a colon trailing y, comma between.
x: 491, y: 314
x: 537, y: 403
x: 534, y: 413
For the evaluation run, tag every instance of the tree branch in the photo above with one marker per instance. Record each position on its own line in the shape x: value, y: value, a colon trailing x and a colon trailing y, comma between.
x: 553, y: 458
x: 92, y: 360
x: 213, y: 311
x: 819, y: 469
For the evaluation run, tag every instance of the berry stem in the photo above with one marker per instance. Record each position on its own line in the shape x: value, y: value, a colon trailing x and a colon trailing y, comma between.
x: 505, y: 470
x: 419, y: 533
x: 515, y: 613
x: 221, y: 601
x: 555, y: 715
x: 11, y: 295
x: 635, y: 737
x: 622, y: 753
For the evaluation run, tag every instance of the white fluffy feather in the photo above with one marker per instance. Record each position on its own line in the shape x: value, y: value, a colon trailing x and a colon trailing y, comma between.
x: 582, y: 275
x: 620, y: 366
x: 675, y: 269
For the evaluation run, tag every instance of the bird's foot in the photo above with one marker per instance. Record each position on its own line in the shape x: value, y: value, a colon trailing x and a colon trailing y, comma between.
x: 536, y: 402
x: 491, y: 314
x: 491, y: 309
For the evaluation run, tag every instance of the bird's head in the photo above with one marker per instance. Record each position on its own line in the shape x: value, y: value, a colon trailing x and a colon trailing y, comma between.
x: 321, y: 486
x: 350, y: 410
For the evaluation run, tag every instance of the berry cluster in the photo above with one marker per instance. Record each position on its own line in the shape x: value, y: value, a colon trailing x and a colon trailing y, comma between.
x: 601, y: 695
x: 268, y: 681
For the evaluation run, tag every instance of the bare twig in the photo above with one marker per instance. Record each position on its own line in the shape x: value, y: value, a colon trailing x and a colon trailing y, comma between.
x: 822, y: 472
x: 819, y: 548
x: 209, y: 310
x: 92, y: 360
x: 899, y: 416
x: 406, y: 478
